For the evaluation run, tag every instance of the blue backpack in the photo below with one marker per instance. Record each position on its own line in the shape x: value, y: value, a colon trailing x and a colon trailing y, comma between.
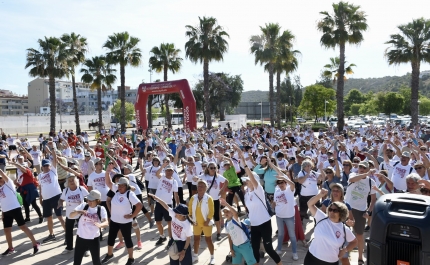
x: 243, y: 227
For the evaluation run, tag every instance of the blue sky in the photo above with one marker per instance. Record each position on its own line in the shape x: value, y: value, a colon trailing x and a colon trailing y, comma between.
x: 154, y: 22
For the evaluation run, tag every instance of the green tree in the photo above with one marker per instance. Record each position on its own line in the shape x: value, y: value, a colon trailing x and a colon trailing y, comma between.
x: 392, y: 103
x: 48, y: 60
x: 411, y: 45
x: 370, y: 107
x: 424, y: 106
x: 129, y: 110
x: 331, y: 70
x: 166, y: 58
x: 98, y: 72
x: 207, y: 42
x: 355, y: 108
x: 76, y: 47
x: 286, y: 62
x: 265, y: 51
x: 344, y: 25
x: 314, y: 98
x: 123, y: 51
x: 354, y: 96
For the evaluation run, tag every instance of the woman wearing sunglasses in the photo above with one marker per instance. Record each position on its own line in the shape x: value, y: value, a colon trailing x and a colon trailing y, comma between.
x: 330, y: 234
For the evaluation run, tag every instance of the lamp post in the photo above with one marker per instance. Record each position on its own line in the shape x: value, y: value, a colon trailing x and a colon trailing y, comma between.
x: 261, y: 112
x: 291, y: 113
x: 325, y: 111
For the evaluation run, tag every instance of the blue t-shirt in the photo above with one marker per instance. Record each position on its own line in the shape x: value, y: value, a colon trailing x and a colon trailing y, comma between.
x: 141, y: 145
x: 172, y: 147
x: 3, y: 160
x: 270, y: 180
x: 327, y: 202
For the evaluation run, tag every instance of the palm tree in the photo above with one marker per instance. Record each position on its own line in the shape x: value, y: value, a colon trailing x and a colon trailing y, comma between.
x: 286, y: 61
x: 98, y: 73
x: 49, y: 60
x: 411, y: 45
x: 332, y: 69
x: 123, y: 51
x: 76, y: 47
x: 265, y: 50
x: 166, y: 58
x: 345, y: 25
x: 206, y: 43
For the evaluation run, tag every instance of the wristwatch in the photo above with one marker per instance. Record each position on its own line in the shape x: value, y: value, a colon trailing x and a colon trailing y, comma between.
x: 369, y: 213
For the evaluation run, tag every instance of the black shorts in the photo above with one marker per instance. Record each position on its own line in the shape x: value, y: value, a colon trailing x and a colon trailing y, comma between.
x: 12, y: 147
x: 141, y: 155
x: 216, y: 210
x: 160, y: 213
x: 14, y: 214
x: 51, y: 204
x: 107, y: 209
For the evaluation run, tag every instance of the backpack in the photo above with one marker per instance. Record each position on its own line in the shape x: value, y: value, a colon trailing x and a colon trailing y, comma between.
x: 243, y: 227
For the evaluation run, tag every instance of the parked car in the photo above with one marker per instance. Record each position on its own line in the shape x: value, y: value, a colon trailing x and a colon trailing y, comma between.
x: 300, y: 120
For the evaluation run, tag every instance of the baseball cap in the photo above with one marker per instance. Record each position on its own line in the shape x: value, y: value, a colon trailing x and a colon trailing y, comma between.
x: 87, y: 154
x: 129, y: 167
x: 97, y: 160
x: 94, y: 195
x: 363, y: 164
x: 338, y: 185
x: 123, y: 181
x: 168, y: 167
x: 181, y: 209
x: 406, y: 154
x: 46, y: 162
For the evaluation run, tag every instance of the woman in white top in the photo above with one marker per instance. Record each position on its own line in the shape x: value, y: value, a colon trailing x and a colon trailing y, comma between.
x: 255, y: 201
x: 122, y: 214
x: 330, y: 233
x: 11, y: 210
x: 92, y: 217
x: 181, y: 231
x: 73, y: 195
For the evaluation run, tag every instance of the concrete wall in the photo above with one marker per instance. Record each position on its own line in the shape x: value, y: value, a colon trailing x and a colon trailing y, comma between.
x: 40, y: 124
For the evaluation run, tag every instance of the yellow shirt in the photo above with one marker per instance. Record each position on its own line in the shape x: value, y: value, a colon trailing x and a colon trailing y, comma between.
x: 199, y: 216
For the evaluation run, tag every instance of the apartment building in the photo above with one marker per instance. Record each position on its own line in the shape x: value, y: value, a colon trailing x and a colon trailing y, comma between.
x: 12, y: 104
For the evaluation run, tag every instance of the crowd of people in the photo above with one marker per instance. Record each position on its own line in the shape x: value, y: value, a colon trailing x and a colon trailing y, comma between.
x: 238, y: 181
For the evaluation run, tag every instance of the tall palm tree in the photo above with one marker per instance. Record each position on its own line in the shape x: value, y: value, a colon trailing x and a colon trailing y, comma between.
x: 265, y: 50
x: 76, y: 47
x: 207, y: 42
x: 123, y: 51
x: 99, y: 74
x: 48, y: 60
x: 165, y: 58
x: 285, y: 62
x: 411, y: 45
x: 345, y: 25
x: 332, y: 69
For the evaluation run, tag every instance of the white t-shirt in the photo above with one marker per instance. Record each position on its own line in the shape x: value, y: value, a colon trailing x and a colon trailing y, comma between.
x: 97, y: 182
x: 282, y: 164
x: 151, y: 176
x: 285, y: 202
x: 191, y: 172
x: 178, y: 180
x: 257, y: 206
x: 165, y: 189
x: 133, y: 183
x: 8, y: 198
x: 121, y: 206
x: 399, y: 175
x: 357, y: 192
x: 310, y: 186
x: 49, y: 184
x: 237, y: 235
x: 86, y: 227
x: 180, y: 229
x: 73, y: 199
x: 10, y: 141
x: 216, y: 187
x: 36, y: 156
x: 291, y: 152
x: 328, y: 238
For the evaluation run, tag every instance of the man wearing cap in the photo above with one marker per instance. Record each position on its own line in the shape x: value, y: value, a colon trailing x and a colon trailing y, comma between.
x: 36, y: 156
x: 50, y: 193
x: 400, y: 170
x: 87, y: 166
x: 360, y: 186
x: 308, y: 151
x: 96, y: 181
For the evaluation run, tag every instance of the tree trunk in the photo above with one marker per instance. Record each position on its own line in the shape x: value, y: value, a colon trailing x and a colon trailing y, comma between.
x: 75, y: 105
x: 149, y: 110
x: 221, y: 111
x: 166, y: 100
x: 99, y: 107
x: 278, y: 99
x: 52, y: 106
x: 339, y: 91
x: 271, y: 96
x: 415, y: 83
x: 122, y: 98
x: 206, y: 93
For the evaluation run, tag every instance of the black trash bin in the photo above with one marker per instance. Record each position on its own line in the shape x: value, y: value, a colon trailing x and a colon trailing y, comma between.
x: 400, y: 233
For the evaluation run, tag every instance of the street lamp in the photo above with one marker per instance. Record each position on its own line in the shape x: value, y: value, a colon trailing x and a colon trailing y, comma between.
x: 261, y: 112
x: 325, y: 111
x: 291, y: 113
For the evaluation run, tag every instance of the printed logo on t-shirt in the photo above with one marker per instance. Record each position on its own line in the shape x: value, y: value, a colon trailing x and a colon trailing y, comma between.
x: 191, y: 171
x: 121, y: 199
x: 45, y: 179
x: 100, y: 182
x: 177, y: 229
x: 166, y: 185
x: 401, y: 172
x: 90, y: 218
x: 74, y: 198
x: 214, y: 186
x: 281, y: 199
x: 188, y: 152
x: 337, y: 234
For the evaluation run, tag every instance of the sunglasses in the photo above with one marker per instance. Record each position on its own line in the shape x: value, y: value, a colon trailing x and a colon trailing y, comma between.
x: 419, y: 168
x: 212, y: 168
x: 345, y: 165
x: 329, y: 172
x: 334, y: 210
x: 280, y: 182
x: 45, y: 166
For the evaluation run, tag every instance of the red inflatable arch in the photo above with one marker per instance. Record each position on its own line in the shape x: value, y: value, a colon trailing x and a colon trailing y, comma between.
x: 179, y: 86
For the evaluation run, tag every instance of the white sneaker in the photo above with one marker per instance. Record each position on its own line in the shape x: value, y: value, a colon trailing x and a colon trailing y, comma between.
x: 87, y: 253
x: 279, y: 252
x: 195, y: 258
x: 212, y: 262
x: 295, y: 256
x: 66, y: 251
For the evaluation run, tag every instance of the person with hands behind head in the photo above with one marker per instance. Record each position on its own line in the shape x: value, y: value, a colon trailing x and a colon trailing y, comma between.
x: 238, y: 237
x: 330, y: 233
x: 91, y: 218
x: 181, y: 231
x: 122, y: 214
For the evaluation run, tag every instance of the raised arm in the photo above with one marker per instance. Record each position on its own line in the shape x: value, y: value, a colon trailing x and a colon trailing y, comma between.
x: 108, y: 179
x: 311, y: 203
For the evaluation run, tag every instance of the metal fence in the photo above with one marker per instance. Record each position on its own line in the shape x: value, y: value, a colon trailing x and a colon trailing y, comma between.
x: 254, y: 110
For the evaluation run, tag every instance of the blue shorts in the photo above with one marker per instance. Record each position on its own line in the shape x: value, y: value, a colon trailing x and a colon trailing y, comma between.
x: 51, y: 204
x: 243, y: 251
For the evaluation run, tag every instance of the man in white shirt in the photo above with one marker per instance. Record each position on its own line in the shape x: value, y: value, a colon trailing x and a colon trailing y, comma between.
x: 399, y: 171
